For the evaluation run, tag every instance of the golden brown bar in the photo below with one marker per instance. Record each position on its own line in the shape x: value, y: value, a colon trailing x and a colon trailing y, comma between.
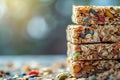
x: 84, y: 69
x: 96, y: 15
x: 112, y: 74
x: 93, y: 51
x: 78, y: 34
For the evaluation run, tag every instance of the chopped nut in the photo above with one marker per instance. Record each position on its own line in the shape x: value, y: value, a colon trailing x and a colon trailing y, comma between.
x: 26, y: 68
x: 105, y: 53
x: 88, y: 36
x: 76, y: 68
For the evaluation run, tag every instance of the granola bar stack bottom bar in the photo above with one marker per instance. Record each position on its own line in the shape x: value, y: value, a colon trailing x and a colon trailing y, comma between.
x: 85, y: 69
x: 94, y: 42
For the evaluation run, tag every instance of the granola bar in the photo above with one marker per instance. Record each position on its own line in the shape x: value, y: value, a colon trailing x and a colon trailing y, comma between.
x: 96, y: 15
x: 84, y: 69
x: 93, y: 33
x: 107, y: 75
x: 112, y: 74
x: 94, y: 51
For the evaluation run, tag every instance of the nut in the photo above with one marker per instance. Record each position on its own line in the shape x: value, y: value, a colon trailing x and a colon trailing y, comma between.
x: 88, y: 36
x: 76, y: 68
x: 105, y: 53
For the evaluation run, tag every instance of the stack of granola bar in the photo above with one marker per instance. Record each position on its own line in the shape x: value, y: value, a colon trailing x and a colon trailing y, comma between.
x: 94, y: 42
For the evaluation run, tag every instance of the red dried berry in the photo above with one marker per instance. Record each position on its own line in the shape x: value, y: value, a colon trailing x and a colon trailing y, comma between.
x: 101, y: 18
x: 33, y: 72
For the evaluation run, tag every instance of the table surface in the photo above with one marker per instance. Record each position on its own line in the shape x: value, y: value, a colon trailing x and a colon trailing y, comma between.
x: 32, y: 59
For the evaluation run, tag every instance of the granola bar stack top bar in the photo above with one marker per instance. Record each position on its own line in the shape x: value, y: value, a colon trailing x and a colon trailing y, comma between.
x: 96, y: 15
x: 94, y: 42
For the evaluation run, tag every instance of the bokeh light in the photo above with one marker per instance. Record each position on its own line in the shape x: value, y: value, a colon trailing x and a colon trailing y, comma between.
x: 2, y: 8
x: 105, y: 2
x: 64, y: 7
x: 37, y: 28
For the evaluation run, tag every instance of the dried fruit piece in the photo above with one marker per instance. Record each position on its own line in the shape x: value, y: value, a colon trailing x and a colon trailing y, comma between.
x: 93, y: 11
x: 92, y: 78
x: 82, y: 35
x: 91, y: 32
x: 108, y: 14
x: 101, y: 18
x: 86, y: 19
x: 33, y: 72
x: 76, y: 68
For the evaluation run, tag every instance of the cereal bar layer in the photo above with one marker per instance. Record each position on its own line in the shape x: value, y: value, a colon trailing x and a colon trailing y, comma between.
x: 84, y: 69
x: 78, y: 34
x: 96, y: 15
x: 93, y: 51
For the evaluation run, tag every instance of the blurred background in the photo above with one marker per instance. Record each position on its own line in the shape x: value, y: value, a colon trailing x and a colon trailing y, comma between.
x: 38, y: 26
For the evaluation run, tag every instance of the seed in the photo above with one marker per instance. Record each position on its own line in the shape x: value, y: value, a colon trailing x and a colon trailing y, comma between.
x: 77, y: 54
x: 62, y: 76
x: 106, y: 35
x: 82, y: 35
x: 92, y: 78
x: 91, y: 32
